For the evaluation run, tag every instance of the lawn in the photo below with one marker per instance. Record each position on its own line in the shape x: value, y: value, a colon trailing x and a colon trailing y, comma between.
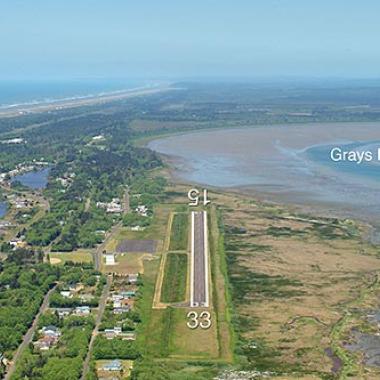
x: 128, y: 263
x: 198, y: 344
x: 174, y: 284
x: 79, y: 256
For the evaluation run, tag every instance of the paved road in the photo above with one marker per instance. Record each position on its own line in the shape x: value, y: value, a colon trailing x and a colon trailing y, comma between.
x: 126, y: 202
x: 99, y: 250
x: 199, y: 259
x: 101, y: 308
x: 29, y: 335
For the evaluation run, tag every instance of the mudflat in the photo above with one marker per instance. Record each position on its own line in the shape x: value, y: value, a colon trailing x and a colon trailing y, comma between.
x: 277, y: 162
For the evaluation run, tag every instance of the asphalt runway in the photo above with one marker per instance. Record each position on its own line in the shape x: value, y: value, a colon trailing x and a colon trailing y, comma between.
x: 199, y: 259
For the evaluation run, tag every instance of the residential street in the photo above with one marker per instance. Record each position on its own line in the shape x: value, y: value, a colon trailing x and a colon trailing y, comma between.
x: 102, y: 306
x: 29, y: 335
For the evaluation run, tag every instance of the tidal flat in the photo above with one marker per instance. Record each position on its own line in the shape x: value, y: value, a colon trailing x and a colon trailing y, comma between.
x: 286, y: 163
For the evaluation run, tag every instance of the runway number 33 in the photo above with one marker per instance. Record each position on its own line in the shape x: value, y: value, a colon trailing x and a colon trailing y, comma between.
x: 195, y: 320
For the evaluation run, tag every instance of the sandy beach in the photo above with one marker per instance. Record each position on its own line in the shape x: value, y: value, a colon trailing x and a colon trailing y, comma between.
x: 23, y: 109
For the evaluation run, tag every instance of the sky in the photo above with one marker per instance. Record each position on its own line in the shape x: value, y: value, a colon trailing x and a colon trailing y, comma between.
x: 166, y: 39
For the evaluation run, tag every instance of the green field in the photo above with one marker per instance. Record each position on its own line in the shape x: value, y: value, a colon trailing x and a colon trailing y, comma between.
x: 174, y: 284
x: 178, y: 236
x: 78, y: 256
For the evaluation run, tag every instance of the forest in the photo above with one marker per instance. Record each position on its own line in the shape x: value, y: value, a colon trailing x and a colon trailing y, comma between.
x: 21, y: 294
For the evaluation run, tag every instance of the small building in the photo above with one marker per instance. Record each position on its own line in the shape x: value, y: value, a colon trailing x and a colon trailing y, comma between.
x: 121, y: 310
x: 132, y: 279
x: 75, y: 287
x: 117, y: 297
x: 21, y: 203
x: 82, y: 310
x: 128, y: 294
x: 45, y: 343
x: 16, y: 140
x: 50, y: 331
x: 113, y: 333
x: 137, y: 228
x: 115, y: 365
x: 66, y: 293
x: 131, y: 335
x: 50, y: 335
x: 111, y: 207
x: 63, y: 311
x: 142, y: 210
x: 114, y: 206
x: 110, y: 259
x: 98, y: 137
x: 17, y: 243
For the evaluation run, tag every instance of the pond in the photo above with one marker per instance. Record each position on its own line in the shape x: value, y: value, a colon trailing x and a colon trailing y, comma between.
x: 3, y: 209
x: 33, y: 180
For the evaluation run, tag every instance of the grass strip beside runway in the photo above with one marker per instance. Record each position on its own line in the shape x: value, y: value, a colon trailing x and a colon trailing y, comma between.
x: 179, y: 232
x: 174, y: 284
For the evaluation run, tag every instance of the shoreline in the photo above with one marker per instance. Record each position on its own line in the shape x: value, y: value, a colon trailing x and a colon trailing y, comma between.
x: 177, y: 166
x: 74, y: 102
x: 312, y: 208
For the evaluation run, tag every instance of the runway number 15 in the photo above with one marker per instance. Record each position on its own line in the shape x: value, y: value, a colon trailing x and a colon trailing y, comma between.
x: 194, y: 196
x: 203, y: 320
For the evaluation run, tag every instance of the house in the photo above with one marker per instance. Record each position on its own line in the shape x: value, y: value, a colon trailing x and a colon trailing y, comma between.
x: 5, y: 224
x: 114, y: 206
x: 116, y: 304
x: 142, y: 210
x: 66, y: 293
x: 115, y: 365
x: 41, y: 345
x: 128, y: 294
x: 64, y: 181
x: 113, y: 333
x: 82, y: 310
x: 50, y: 335
x: 101, y: 205
x: 111, y: 207
x: 17, y: 243
x: 17, y: 140
x: 98, y: 137
x: 74, y: 287
x: 63, y: 311
x: 132, y: 279
x: 117, y: 297
x: 50, y: 331
x: 121, y: 310
x: 45, y: 343
x: 131, y: 335
x: 110, y: 259
x: 21, y: 203
x: 137, y: 228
